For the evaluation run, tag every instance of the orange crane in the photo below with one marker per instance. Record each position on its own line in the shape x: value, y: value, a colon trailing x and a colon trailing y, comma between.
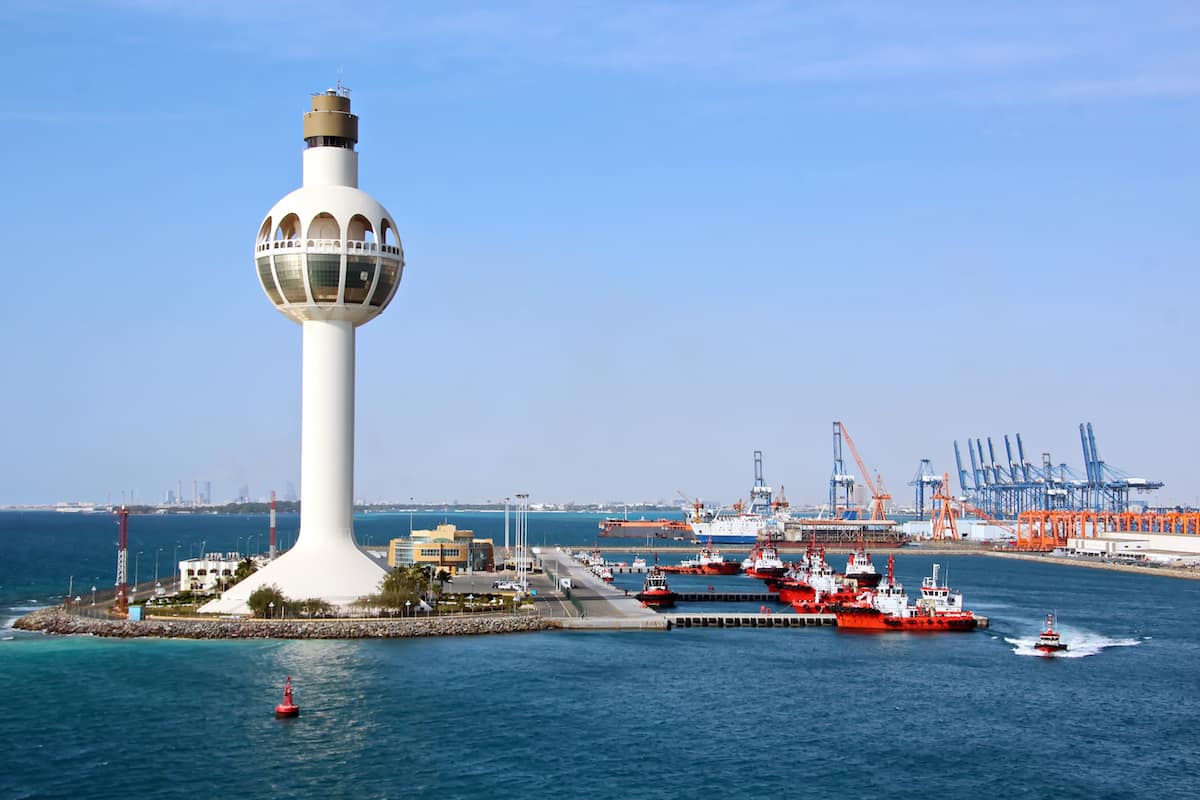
x: 944, y: 525
x: 879, y: 496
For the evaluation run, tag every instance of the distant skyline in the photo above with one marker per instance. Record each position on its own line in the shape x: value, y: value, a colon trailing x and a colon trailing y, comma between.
x: 643, y: 240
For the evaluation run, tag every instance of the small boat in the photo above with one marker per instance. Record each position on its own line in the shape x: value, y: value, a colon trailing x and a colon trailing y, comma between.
x: 639, y: 563
x: 655, y: 592
x: 1049, y: 641
x: 287, y: 708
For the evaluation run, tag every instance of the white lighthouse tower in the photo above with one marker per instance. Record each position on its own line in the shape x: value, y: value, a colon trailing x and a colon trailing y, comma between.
x: 329, y: 258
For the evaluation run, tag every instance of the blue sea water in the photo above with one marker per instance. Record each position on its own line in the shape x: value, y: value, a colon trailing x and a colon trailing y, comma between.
x: 698, y: 713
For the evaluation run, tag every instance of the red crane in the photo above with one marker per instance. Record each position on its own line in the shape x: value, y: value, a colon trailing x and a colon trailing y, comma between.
x: 879, y: 496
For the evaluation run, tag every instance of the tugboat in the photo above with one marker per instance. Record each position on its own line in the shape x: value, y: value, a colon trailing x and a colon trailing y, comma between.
x: 287, y: 708
x: 655, y: 592
x: 886, y: 608
x: 764, y: 562
x: 708, y: 561
x: 1049, y: 641
x: 860, y: 568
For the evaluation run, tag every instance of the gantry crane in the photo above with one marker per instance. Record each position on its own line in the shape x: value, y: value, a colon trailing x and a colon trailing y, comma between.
x: 879, y: 495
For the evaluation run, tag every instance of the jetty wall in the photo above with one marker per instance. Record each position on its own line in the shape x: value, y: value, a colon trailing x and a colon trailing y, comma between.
x: 58, y: 620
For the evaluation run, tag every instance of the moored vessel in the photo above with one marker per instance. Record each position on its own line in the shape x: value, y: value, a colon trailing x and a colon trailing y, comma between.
x: 764, y: 562
x: 886, y: 608
x: 655, y: 592
x: 860, y: 569
x: 708, y: 561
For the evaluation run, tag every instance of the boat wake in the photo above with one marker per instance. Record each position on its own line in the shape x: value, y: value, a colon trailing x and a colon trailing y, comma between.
x: 1079, y: 644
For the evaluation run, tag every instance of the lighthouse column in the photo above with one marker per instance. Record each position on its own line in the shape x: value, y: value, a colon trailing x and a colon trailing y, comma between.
x: 327, y: 436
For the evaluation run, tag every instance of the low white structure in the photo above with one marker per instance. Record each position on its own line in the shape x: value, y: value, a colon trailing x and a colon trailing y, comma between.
x: 204, y: 574
x: 328, y: 257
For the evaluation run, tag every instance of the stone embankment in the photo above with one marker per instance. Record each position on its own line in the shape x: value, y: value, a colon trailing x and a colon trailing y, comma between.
x: 59, y: 620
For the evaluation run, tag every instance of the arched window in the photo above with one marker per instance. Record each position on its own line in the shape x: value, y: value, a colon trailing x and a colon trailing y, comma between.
x: 389, y: 233
x: 289, y: 228
x: 264, y: 233
x: 324, y: 226
x: 360, y: 230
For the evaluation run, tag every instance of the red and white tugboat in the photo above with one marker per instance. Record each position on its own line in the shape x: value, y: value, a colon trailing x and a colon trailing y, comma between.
x: 825, y: 590
x: 287, y: 708
x: 1049, y: 641
x: 655, y: 592
x: 886, y: 608
x: 708, y: 561
x: 764, y: 562
x: 861, y: 570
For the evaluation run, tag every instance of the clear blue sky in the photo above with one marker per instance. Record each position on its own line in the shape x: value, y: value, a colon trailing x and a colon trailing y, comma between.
x: 643, y: 240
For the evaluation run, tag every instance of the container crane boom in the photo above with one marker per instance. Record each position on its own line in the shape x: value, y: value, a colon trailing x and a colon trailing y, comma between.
x: 879, y: 496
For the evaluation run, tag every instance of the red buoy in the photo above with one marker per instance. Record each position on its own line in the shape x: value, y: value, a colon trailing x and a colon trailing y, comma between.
x: 287, y: 708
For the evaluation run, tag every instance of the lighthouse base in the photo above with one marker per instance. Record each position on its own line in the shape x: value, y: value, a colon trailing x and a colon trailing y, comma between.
x: 338, y: 576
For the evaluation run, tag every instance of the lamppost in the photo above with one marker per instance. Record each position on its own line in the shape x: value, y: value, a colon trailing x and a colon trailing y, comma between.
x: 157, y: 553
x: 239, y: 545
x: 175, y: 566
x: 407, y: 605
x: 410, y: 510
x: 93, y: 594
x: 271, y: 609
x: 136, y: 561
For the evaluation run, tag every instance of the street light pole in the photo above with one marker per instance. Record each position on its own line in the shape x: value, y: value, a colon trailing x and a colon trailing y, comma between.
x: 136, y: 561
x: 175, y: 566
x: 93, y: 594
x: 157, y: 553
x: 410, y: 512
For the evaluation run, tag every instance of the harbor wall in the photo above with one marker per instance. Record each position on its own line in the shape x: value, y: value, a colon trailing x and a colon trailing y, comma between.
x: 58, y: 620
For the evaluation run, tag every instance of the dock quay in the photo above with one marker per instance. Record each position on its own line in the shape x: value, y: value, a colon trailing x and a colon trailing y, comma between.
x: 684, y: 620
x: 727, y: 597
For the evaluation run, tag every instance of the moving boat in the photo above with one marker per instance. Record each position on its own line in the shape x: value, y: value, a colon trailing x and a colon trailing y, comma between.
x: 655, y: 592
x: 1049, y: 641
x: 886, y: 608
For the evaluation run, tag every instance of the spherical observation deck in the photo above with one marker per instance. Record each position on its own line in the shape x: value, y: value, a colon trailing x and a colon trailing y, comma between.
x: 329, y: 253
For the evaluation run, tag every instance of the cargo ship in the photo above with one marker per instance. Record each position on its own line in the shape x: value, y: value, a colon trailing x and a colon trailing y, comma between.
x: 634, y: 528
x: 847, y: 533
x: 727, y: 526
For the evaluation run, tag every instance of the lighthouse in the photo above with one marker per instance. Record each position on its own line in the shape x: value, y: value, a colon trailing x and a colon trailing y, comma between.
x: 327, y: 257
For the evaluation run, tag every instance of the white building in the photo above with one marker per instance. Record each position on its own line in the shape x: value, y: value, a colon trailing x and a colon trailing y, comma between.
x: 203, y: 574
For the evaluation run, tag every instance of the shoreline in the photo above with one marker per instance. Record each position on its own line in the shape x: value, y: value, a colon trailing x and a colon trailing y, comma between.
x: 59, y: 621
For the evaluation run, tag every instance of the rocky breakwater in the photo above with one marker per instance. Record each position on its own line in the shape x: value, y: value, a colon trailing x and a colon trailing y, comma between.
x: 60, y: 620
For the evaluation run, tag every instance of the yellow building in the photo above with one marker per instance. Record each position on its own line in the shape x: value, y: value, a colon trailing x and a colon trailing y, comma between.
x: 446, y: 547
